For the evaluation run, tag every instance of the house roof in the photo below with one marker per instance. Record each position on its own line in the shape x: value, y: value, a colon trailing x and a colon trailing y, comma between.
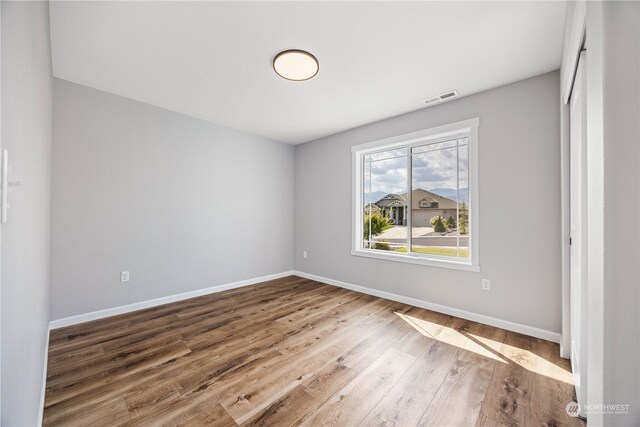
x: 416, y: 196
x: 391, y: 199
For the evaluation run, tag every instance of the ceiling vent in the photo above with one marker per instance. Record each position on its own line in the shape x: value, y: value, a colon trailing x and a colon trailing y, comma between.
x: 442, y: 97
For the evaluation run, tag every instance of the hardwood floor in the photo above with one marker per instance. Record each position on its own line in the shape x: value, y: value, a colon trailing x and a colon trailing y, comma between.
x: 297, y: 352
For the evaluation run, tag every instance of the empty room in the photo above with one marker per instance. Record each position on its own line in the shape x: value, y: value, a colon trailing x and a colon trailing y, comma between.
x: 319, y: 213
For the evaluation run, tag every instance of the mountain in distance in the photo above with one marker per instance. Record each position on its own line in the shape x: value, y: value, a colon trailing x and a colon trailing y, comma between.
x: 373, y: 197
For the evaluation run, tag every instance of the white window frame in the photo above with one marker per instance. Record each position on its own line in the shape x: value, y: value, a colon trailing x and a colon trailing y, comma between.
x: 465, y: 128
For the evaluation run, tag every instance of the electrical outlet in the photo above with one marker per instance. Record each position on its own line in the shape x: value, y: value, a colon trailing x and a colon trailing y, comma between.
x: 486, y: 284
x: 124, y: 276
x: 304, y: 254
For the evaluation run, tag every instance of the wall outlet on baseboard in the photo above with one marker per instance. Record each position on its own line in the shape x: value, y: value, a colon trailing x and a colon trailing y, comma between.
x: 486, y: 284
x: 124, y: 276
x: 304, y: 254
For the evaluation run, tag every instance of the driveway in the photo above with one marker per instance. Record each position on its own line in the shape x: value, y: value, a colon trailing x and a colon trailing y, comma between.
x: 400, y: 232
x: 398, y: 235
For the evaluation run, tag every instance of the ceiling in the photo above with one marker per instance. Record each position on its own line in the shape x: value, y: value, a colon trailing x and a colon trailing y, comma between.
x: 212, y: 60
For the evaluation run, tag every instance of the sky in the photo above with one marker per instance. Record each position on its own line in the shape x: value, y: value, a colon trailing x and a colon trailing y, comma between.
x: 434, y: 166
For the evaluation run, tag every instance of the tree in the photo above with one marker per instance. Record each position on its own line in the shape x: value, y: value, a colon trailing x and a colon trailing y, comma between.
x: 451, y: 223
x: 438, y: 224
x: 463, y: 216
x: 374, y: 224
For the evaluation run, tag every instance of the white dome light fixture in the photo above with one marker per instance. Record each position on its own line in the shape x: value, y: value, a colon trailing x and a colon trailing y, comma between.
x: 295, y: 64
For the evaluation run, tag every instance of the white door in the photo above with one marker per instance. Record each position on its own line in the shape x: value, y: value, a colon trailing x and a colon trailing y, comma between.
x: 578, y: 189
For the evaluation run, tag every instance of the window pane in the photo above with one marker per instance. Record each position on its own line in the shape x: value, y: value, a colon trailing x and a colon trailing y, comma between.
x: 439, y: 181
x: 384, y: 200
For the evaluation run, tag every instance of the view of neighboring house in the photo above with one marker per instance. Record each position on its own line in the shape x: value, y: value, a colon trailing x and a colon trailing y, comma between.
x: 426, y: 205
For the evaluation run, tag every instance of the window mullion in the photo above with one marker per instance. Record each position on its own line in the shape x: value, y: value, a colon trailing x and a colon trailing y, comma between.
x: 369, y: 238
x: 458, y: 197
x: 409, y: 199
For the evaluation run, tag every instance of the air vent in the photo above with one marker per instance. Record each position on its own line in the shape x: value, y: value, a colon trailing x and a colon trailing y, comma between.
x: 442, y: 97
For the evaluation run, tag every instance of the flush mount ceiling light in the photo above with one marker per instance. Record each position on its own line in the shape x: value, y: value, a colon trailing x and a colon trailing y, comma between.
x: 296, y: 65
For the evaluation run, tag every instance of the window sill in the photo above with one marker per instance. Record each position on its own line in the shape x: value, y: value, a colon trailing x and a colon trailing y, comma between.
x: 417, y: 260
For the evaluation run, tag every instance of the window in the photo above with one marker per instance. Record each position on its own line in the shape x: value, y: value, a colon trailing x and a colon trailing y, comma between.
x: 424, y: 204
x: 415, y: 197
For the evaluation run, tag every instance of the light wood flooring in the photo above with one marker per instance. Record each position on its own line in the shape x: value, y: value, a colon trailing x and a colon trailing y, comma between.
x: 297, y: 352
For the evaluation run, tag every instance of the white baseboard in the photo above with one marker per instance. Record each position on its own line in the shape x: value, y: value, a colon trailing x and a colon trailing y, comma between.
x: 475, y: 317
x: 108, y: 312
x: 44, y: 379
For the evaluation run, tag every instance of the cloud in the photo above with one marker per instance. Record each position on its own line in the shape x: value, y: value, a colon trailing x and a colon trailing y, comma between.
x: 431, y: 169
x: 435, y: 169
x: 388, y: 172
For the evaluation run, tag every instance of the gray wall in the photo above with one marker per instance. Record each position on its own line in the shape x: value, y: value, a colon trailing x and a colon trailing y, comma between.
x: 519, y: 167
x: 181, y: 203
x: 26, y: 134
x: 613, y: 138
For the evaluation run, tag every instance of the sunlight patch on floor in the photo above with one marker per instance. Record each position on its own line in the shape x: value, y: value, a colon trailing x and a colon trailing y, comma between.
x: 449, y: 336
x: 489, y: 348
